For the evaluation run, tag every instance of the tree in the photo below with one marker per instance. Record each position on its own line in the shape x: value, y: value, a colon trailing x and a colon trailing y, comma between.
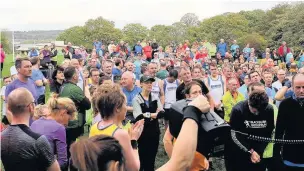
x: 5, y: 43
x: 178, y: 32
x: 134, y: 32
x: 161, y: 33
x: 190, y: 19
x: 255, y: 40
x: 76, y: 35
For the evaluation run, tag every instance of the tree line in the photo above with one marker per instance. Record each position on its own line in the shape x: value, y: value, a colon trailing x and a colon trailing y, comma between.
x: 284, y: 22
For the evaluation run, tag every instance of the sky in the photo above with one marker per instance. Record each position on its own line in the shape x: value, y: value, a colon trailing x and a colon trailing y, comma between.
x: 25, y: 15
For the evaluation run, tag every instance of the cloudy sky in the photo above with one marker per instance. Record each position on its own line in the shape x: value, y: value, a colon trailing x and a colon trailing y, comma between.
x: 61, y: 14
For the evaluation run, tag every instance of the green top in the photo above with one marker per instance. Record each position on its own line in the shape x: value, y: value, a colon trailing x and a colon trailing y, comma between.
x: 229, y: 102
x: 75, y: 93
x: 162, y: 74
x: 268, y: 152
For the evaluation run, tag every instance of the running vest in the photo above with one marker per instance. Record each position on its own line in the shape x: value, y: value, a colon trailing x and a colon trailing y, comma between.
x: 216, y: 88
x: 170, y: 93
x: 109, y: 130
x: 155, y: 88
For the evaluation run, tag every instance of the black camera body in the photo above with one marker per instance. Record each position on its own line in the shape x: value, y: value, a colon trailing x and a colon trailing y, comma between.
x: 213, y: 131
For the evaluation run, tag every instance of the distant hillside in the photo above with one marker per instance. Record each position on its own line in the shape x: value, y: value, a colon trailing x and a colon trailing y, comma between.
x: 33, y: 36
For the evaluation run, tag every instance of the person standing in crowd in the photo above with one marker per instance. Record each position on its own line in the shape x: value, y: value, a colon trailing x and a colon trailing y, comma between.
x: 107, y: 68
x: 24, y: 69
x: 148, y: 106
x: 222, y: 48
x: 71, y: 90
x: 21, y: 148
x: 243, y: 88
x: 147, y: 51
x: 76, y: 65
x: 62, y: 110
x: 200, y: 162
x: 39, y: 79
x: 283, y: 51
x: 246, y: 51
x: 217, y: 86
x: 154, y: 47
x: 111, y: 104
x: 290, y: 121
x: 277, y: 85
x: 33, y: 53
x: 6, y: 81
x: 54, y: 55
x: 231, y: 98
x: 256, y: 117
x: 46, y: 56
x: 233, y: 47
x: 198, y: 73
x: 162, y: 73
x: 111, y: 48
x: 130, y: 90
x: 117, y: 70
x: 57, y: 80
x: 94, y: 77
x: 97, y: 45
x: 137, y: 48
x: 157, y: 86
x: 2, y: 58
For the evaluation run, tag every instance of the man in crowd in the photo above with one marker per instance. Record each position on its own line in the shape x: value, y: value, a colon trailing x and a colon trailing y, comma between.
x: 107, y: 68
x: 231, y: 98
x: 39, y: 80
x: 162, y: 73
x: 75, y: 63
x: 157, y: 86
x: 283, y: 50
x: 130, y: 90
x: 256, y: 117
x: 24, y: 69
x: 243, y: 88
x: 71, y: 90
x: 222, y: 48
x: 277, y: 85
x: 233, y: 47
x: 94, y: 75
x: 118, y: 67
x: 137, y: 48
x: 22, y: 149
x: 217, y: 86
x: 289, y: 122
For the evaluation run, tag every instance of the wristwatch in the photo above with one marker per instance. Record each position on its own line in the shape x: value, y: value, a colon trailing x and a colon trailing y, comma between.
x: 147, y: 115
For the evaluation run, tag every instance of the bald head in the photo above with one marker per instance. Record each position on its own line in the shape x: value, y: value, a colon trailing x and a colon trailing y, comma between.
x: 19, y: 100
x: 127, y: 79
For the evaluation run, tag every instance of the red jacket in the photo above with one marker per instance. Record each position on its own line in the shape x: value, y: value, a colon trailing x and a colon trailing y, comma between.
x: 281, y: 50
x: 148, y: 51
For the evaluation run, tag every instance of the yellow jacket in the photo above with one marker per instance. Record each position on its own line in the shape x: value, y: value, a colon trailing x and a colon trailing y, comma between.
x: 229, y: 102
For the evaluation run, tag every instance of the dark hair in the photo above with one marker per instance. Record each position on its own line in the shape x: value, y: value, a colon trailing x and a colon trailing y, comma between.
x: 18, y: 61
x: 96, y: 152
x: 54, y: 74
x: 258, y: 100
x: 117, y: 62
x: 189, y: 86
x: 251, y: 86
x: 103, y: 78
x: 34, y: 60
x: 173, y: 73
x: 4, y: 78
x: 249, y: 75
x: 69, y: 72
x: 92, y: 70
x: 109, y: 98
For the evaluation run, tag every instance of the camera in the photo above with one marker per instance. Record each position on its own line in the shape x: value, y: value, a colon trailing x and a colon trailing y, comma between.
x: 213, y: 131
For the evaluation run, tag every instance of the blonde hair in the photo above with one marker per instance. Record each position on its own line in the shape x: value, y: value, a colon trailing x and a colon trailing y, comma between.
x: 38, y: 112
x: 55, y: 104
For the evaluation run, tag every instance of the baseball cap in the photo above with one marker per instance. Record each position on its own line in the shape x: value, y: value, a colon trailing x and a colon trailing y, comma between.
x: 146, y: 78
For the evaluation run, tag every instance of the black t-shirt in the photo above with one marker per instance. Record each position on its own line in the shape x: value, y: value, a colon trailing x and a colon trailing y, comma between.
x: 22, y: 149
x: 180, y: 90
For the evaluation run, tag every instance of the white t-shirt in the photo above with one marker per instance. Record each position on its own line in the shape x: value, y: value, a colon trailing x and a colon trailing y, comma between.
x: 3, y: 105
x: 13, y: 70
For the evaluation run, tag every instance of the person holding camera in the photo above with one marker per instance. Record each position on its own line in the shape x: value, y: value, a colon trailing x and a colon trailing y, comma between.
x: 148, y: 106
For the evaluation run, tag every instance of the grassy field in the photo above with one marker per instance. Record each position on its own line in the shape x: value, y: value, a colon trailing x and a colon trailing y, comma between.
x: 161, y: 157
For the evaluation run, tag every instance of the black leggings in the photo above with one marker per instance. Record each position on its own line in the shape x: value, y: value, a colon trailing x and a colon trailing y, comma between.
x: 147, y: 149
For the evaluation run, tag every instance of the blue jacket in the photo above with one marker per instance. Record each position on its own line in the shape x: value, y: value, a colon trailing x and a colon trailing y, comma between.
x: 222, y: 48
x: 137, y: 49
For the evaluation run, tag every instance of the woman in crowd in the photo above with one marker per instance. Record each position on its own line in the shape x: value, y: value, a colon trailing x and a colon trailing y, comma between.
x: 198, y: 73
x: 147, y: 106
x: 192, y: 90
x: 111, y: 105
x: 57, y: 80
x: 62, y: 110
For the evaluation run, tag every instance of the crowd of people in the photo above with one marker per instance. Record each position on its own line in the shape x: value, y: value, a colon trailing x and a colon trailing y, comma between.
x: 124, y: 95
